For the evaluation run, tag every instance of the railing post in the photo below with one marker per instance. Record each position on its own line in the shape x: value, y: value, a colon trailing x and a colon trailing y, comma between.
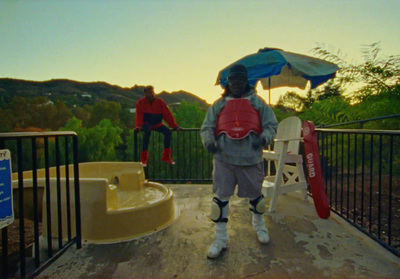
x: 48, y: 199
x: 77, y: 194
x: 67, y: 188
x: 135, y: 146
x: 35, y: 203
x: 22, y: 253
x: 58, y: 194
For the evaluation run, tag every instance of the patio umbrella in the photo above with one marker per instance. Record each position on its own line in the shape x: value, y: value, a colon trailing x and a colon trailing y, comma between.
x: 277, y: 68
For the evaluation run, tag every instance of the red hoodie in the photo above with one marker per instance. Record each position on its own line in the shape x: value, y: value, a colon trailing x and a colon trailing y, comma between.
x: 153, y: 114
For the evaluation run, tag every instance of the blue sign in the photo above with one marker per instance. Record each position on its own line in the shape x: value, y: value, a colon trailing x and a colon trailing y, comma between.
x: 6, y: 206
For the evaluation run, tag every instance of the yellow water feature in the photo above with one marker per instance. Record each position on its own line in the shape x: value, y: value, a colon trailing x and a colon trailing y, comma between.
x: 117, y: 202
x: 145, y: 198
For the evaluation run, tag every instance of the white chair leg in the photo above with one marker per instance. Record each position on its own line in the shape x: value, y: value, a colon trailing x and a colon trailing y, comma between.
x: 278, y: 178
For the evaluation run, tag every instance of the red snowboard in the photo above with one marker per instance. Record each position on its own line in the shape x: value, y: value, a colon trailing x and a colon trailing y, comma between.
x: 314, y: 170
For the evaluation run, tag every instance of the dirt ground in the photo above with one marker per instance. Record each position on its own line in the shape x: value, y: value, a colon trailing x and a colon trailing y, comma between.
x: 13, y: 235
x: 13, y: 243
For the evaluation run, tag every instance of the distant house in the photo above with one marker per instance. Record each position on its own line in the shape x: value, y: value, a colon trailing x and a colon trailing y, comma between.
x: 46, y: 104
x: 86, y: 95
x: 174, y: 105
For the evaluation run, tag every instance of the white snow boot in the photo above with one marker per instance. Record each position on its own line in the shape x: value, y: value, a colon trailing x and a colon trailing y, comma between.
x: 260, y: 228
x: 220, y: 241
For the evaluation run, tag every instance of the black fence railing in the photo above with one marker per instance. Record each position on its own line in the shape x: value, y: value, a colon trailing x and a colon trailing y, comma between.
x: 359, y: 123
x: 193, y: 164
x: 21, y: 253
x: 361, y: 170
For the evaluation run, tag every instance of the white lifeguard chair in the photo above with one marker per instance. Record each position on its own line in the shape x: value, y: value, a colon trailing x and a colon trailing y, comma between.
x: 288, y: 162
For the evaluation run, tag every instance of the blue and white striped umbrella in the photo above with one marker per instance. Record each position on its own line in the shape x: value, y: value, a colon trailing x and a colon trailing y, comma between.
x: 277, y: 68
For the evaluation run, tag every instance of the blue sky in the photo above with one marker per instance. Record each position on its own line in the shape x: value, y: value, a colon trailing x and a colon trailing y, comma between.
x: 180, y: 44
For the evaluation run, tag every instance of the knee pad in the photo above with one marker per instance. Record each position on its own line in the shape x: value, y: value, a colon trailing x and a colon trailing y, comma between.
x: 217, y: 210
x: 258, y: 205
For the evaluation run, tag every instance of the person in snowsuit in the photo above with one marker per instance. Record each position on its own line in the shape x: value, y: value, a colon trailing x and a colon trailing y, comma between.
x: 237, y: 127
x: 150, y: 112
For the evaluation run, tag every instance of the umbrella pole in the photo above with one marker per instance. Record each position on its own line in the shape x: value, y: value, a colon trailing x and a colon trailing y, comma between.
x: 269, y: 91
x: 269, y: 103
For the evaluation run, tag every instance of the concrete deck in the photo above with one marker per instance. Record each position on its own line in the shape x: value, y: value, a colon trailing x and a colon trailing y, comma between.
x: 302, y: 246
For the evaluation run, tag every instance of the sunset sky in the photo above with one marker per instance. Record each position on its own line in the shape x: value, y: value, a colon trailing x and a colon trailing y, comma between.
x: 180, y: 44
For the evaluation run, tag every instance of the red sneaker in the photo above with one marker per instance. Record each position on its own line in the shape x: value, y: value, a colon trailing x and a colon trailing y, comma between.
x: 144, y: 157
x: 166, y: 156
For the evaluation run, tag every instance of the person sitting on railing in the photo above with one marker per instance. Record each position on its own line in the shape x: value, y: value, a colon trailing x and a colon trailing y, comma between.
x: 150, y: 112
x: 236, y: 129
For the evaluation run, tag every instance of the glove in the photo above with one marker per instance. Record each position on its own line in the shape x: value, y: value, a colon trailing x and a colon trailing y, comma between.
x: 258, y: 143
x: 211, y: 147
x: 177, y: 128
x: 138, y: 128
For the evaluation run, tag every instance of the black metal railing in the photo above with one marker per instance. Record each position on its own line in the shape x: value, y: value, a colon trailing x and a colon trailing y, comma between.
x: 31, y: 151
x: 359, y: 123
x: 361, y: 170
x: 193, y: 164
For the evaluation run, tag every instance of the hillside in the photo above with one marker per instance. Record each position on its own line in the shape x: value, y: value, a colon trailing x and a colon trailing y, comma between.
x: 75, y: 93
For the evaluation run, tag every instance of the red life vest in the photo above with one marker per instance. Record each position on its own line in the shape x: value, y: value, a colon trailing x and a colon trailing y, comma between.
x: 238, y: 119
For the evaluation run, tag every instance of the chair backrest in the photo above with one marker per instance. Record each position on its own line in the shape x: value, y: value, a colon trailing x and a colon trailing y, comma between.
x: 289, y: 128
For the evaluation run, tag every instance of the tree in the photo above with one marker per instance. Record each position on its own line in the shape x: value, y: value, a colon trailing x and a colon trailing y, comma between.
x: 292, y: 100
x: 19, y: 108
x: 378, y: 105
x: 329, y: 111
x: 331, y: 89
x: 105, y: 110
x: 75, y: 124
x: 189, y: 115
x: 6, y: 121
x: 97, y: 143
x: 282, y: 112
x: 374, y: 76
x: 102, y: 140
x: 41, y: 112
x: 36, y: 112
x: 83, y: 113
x: 46, y: 115
x: 60, y: 115
x: 127, y: 119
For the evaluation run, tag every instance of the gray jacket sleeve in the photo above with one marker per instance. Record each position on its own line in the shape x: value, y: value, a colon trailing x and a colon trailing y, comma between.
x: 209, y: 125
